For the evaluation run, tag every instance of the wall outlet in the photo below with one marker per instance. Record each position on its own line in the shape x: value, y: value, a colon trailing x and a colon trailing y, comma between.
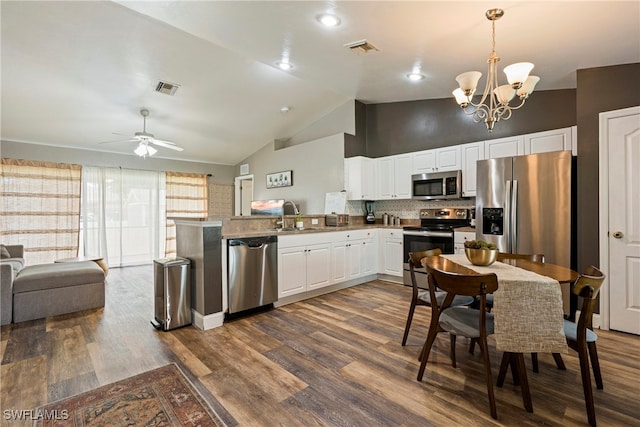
x: 314, y: 221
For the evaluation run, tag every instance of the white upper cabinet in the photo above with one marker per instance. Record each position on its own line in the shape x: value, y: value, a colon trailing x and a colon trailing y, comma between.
x: 394, y: 177
x: 437, y: 160
x: 359, y: 178
x: 551, y: 140
x: 504, y: 147
x: 470, y: 154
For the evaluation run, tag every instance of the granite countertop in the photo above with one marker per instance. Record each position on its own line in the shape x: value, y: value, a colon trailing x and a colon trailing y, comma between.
x: 307, y: 230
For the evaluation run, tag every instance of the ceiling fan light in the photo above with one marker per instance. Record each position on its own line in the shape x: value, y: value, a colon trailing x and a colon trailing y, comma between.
x: 517, y: 73
x: 141, y: 150
x: 469, y: 81
x: 151, y: 151
x: 528, y: 86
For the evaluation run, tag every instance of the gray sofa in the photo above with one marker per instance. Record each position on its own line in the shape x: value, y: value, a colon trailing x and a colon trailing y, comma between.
x: 11, y: 262
x: 44, y: 290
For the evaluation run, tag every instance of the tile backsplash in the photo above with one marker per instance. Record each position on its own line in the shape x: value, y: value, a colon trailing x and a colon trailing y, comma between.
x: 406, y: 209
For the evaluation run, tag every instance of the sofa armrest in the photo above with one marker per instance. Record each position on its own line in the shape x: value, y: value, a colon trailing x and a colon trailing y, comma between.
x: 6, y: 293
x: 16, y: 251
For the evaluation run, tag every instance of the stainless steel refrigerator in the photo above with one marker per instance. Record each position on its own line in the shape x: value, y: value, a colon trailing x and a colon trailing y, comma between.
x: 524, y: 205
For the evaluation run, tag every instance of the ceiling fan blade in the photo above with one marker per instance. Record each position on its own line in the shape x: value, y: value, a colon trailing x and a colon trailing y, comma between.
x: 166, y: 144
x: 117, y: 140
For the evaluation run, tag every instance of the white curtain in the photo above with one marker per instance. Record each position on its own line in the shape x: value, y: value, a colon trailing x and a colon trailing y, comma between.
x: 123, y: 215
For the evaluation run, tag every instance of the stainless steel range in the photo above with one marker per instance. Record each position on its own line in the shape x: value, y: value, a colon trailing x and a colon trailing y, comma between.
x: 435, y: 231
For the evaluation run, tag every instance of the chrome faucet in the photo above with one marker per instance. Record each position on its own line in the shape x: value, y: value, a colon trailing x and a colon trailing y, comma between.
x: 295, y: 211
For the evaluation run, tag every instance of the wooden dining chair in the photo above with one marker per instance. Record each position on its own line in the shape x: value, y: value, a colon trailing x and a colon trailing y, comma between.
x: 582, y: 339
x: 422, y: 297
x: 467, y: 322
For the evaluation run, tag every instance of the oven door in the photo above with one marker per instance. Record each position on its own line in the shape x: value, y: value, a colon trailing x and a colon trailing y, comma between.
x: 423, y: 240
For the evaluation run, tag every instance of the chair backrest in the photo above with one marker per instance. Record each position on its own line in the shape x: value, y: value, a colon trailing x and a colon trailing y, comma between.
x: 459, y: 284
x: 588, y: 286
x: 477, y: 285
x: 530, y: 257
x: 414, y: 262
x: 415, y: 257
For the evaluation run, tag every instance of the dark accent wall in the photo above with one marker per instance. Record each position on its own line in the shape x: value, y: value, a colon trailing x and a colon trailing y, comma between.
x: 599, y: 90
x: 403, y: 127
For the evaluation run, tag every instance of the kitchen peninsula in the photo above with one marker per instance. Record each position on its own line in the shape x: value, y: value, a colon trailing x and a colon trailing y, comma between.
x: 314, y: 260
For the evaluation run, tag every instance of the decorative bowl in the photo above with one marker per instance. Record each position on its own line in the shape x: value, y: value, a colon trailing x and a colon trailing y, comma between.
x: 481, y: 256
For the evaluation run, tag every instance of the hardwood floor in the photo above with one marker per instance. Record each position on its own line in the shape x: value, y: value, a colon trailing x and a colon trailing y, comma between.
x: 334, y: 360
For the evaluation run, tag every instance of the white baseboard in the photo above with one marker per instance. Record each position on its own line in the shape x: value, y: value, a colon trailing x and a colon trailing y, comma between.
x: 209, y: 321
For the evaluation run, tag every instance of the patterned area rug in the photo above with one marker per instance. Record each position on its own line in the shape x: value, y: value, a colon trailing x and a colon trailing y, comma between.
x: 161, y: 397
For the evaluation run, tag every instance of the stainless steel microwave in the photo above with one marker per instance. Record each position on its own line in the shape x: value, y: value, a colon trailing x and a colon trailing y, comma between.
x: 437, y: 186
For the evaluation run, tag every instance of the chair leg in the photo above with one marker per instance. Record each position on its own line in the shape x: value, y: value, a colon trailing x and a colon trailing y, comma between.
x: 472, y: 346
x: 586, y: 383
x: 534, y: 362
x: 408, y: 325
x: 487, y: 369
x: 452, y: 339
x: 595, y: 363
x: 426, y: 349
x: 559, y: 362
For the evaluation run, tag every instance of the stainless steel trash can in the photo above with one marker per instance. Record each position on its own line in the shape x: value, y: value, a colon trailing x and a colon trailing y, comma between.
x: 172, y: 293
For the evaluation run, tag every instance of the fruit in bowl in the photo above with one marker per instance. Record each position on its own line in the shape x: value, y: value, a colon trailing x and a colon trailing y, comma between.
x: 479, y: 252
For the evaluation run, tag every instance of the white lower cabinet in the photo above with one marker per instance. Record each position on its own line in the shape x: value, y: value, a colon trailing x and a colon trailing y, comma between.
x: 311, y: 261
x: 459, y: 237
x: 390, y: 253
x: 353, y: 256
x: 302, y: 268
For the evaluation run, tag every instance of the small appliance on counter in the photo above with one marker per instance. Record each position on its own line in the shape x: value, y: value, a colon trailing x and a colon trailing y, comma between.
x: 336, y: 220
x: 370, y: 217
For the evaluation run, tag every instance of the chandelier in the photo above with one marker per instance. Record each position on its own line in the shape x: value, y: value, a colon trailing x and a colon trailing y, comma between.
x: 494, y: 104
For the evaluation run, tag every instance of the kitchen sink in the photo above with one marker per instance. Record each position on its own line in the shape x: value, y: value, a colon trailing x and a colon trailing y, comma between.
x: 292, y: 229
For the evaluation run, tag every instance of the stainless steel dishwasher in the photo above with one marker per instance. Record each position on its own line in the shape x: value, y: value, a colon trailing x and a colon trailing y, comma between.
x: 253, y: 272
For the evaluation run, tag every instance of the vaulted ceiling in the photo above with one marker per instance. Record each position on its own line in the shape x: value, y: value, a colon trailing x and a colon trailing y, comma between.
x: 75, y: 73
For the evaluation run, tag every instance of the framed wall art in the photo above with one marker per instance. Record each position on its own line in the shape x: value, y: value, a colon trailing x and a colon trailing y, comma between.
x: 279, y: 179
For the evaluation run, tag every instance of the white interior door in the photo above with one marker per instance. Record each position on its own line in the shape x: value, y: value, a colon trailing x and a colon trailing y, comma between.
x: 244, y: 195
x: 620, y: 137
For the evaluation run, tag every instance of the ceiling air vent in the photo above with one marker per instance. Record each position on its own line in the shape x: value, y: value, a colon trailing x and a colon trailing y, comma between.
x: 361, y: 46
x: 167, y: 88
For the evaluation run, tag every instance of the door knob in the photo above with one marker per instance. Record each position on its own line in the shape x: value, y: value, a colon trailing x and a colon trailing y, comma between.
x: 618, y: 234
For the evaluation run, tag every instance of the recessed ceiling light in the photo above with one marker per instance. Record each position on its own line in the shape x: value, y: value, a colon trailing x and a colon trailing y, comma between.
x: 284, y: 65
x: 415, y: 76
x: 328, y: 20
x: 285, y: 109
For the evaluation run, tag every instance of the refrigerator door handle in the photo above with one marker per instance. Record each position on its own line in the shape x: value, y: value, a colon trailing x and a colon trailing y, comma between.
x: 514, y: 217
x: 507, y: 215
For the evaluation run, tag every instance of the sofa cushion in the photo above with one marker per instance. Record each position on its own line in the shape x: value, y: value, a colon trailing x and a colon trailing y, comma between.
x: 4, y: 253
x: 57, y: 275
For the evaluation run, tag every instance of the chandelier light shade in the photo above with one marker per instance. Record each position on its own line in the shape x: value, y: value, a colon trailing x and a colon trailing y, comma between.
x: 495, y: 102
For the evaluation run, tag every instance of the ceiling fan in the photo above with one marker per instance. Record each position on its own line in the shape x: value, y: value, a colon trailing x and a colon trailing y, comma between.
x: 146, y: 140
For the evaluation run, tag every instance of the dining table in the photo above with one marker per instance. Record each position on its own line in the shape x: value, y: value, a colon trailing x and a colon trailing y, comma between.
x: 527, y: 308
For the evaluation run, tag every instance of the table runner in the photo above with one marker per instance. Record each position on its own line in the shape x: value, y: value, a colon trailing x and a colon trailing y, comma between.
x: 529, y: 317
